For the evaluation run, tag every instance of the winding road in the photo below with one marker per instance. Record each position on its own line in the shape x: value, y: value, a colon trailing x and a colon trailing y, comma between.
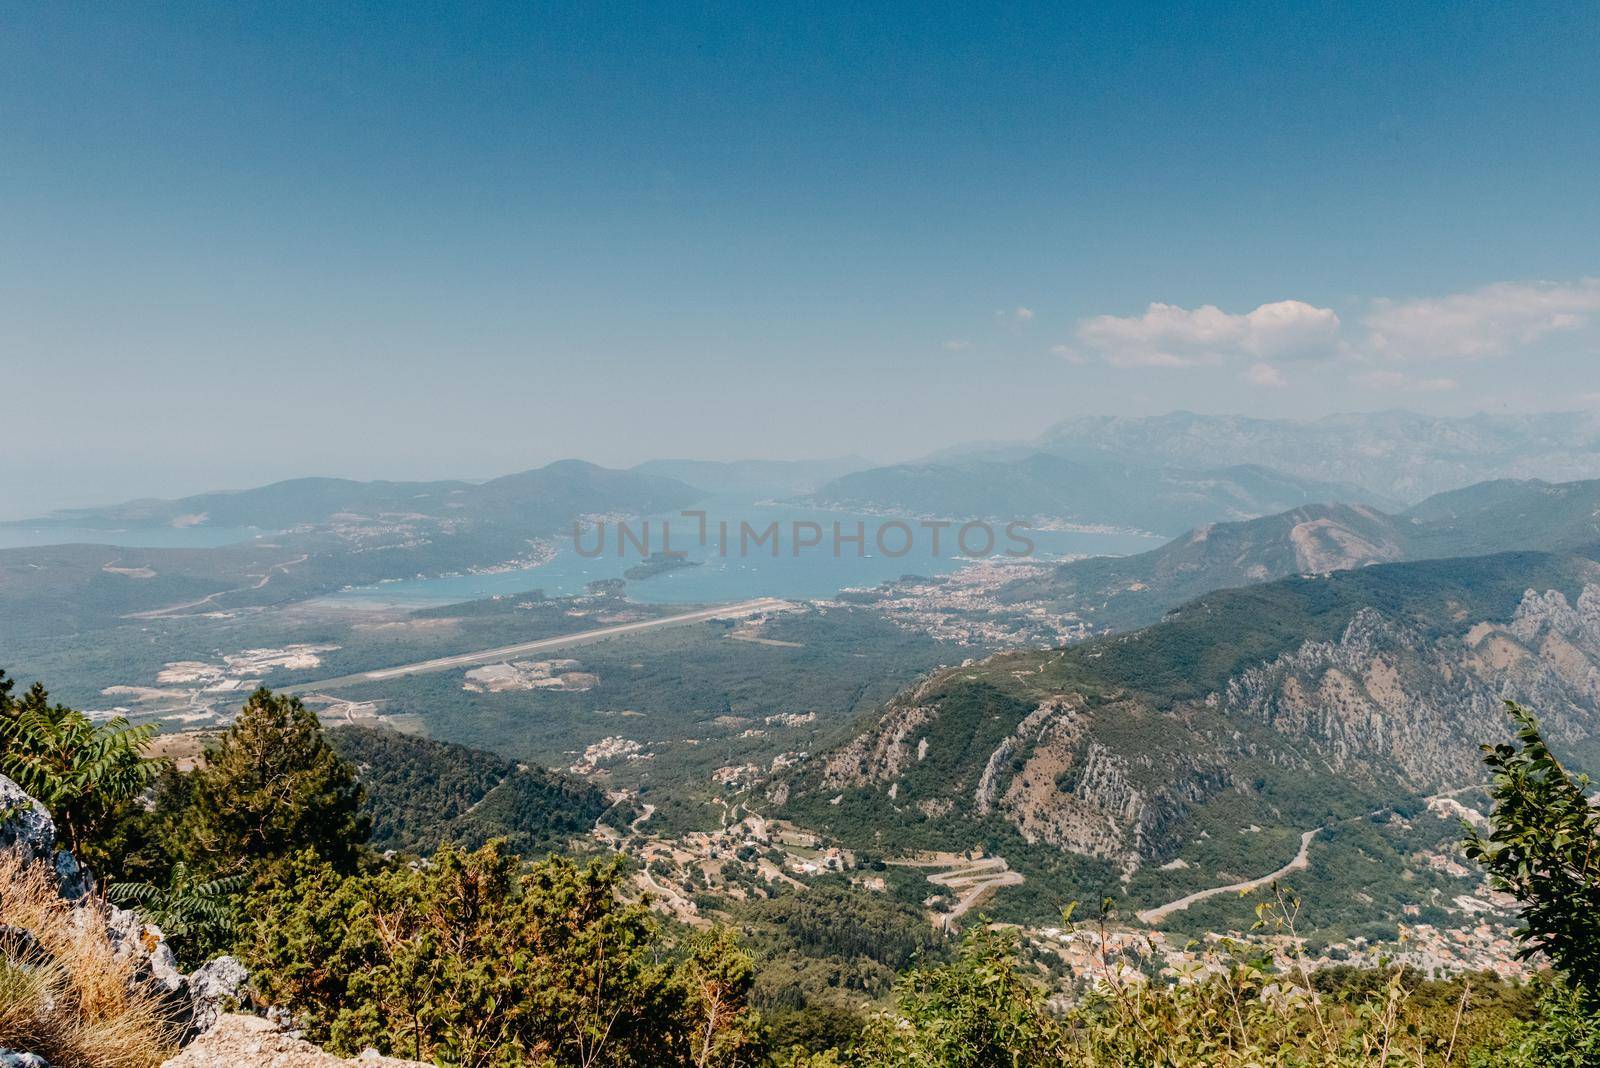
x: 1300, y: 862
x: 971, y: 881
x: 159, y: 613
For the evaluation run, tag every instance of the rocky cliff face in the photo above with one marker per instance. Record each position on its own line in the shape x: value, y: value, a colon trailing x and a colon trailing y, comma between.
x: 1387, y: 695
x: 1395, y: 705
x: 26, y: 828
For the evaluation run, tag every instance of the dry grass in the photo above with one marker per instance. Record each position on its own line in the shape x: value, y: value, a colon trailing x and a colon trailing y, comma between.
x: 67, y: 997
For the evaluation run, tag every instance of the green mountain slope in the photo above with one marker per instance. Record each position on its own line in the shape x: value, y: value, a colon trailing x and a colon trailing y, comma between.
x: 1283, y: 707
x: 421, y: 793
x: 1119, y: 593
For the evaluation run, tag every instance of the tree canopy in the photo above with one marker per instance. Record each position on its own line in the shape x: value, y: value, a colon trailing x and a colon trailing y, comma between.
x: 475, y: 960
x: 272, y: 787
x: 1544, y: 849
x: 79, y: 770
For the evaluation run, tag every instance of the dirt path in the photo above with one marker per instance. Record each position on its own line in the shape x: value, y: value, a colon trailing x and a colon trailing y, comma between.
x: 158, y: 613
x: 1300, y: 862
x: 971, y: 881
x: 675, y: 903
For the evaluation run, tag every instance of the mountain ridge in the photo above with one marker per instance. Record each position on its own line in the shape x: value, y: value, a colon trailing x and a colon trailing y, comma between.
x: 1116, y: 593
x: 1402, y: 454
x: 1284, y: 705
x: 1087, y: 491
x: 299, y: 501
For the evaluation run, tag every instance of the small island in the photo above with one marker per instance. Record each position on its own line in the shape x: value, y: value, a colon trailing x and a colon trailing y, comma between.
x: 657, y: 564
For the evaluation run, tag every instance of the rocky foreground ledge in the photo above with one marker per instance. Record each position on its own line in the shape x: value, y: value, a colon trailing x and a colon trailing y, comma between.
x: 253, y: 1041
x: 209, y: 1036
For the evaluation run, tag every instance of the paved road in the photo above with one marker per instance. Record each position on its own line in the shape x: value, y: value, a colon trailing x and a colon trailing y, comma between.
x: 507, y: 652
x: 1156, y: 915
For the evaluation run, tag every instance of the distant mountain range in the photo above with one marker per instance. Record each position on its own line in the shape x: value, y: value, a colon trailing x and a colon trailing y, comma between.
x: 777, y: 478
x: 324, y: 534
x: 1090, y: 491
x: 1119, y: 593
x: 1286, y: 707
x: 1401, y: 455
x: 1163, y: 473
x: 540, y: 497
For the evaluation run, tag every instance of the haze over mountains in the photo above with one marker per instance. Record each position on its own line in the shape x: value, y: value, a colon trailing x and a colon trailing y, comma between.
x: 687, y: 536
x: 1117, y: 593
x: 779, y: 478
x: 1251, y: 522
x: 1163, y: 474
x: 1403, y: 455
x: 1168, y: 473
x: 1096, y: 491
x: 1310, y: 651
x: 324, y: 534
x: 1304, y: 672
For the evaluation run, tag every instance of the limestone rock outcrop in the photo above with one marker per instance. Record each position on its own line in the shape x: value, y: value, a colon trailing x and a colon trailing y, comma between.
x: 197, y: 999
x: 251, y: 1042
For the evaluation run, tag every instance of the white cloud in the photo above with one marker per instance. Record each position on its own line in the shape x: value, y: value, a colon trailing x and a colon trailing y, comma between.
x: 1397, y: 380
x: 1014, y: 317
x: 957, y: 344
x: 1169, y: 336
x: 1070, y: 354
x: 1264, y: 374
x: 1487, y: 322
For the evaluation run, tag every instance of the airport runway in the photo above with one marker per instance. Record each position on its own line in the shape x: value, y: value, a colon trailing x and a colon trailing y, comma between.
x: 507, y: 652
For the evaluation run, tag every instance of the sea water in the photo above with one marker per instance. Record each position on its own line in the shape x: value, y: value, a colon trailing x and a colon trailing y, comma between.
x: 727, y: 572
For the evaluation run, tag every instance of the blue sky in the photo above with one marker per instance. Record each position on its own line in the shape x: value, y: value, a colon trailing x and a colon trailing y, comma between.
x: 244, y: 241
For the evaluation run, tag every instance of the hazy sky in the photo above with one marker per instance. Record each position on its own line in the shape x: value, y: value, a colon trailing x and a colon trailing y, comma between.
x: 241, y: 242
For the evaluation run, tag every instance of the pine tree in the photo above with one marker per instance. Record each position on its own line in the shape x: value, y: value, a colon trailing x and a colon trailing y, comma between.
x: 272, y: 787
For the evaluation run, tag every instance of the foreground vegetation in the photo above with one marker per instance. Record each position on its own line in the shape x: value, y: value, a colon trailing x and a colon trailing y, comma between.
x: 481, y: 956
x: 65, y: 993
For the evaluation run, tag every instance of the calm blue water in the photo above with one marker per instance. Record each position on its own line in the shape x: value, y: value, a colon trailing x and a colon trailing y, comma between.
x: 815, y: 572
x: 201, y: 537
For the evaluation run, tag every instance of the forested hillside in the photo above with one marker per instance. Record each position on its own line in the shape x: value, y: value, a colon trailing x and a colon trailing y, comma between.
x: 1289, y: 706
x: 481, y: 957
x: 421, y: 793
